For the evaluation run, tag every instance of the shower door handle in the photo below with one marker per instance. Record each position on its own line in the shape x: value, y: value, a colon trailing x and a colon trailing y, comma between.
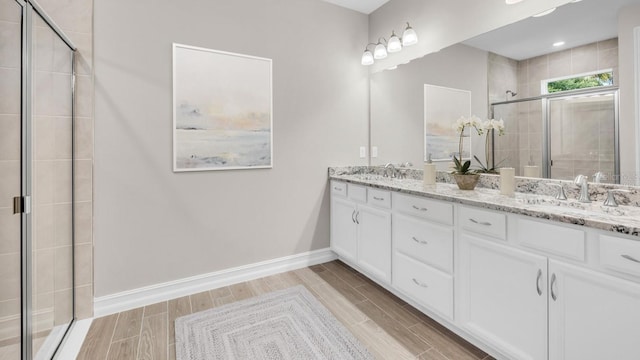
x: 22, y: 205
x: 17, y: 205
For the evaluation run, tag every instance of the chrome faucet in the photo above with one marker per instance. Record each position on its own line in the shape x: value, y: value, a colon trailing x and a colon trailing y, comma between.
x: 561, y: 195
x: 611, y: 199
x: 386, y: 170
x: 402, y: 171
x: 598, y: 177
x: 581, y: 181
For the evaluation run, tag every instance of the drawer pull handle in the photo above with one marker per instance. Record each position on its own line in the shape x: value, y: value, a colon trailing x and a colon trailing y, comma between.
x: 630, y: 258
x: 419, y: 283
x: 419, y: 241
x: 538, y: 278
x: 419, y: 208
x: 337, y: 188
x: 480, y: 222
x: 378, y: 198
x: 357, y: 220
x: 353, y: 214
x: 553, y: 282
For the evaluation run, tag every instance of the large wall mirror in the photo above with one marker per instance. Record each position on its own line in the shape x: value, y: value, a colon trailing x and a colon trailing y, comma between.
x: 564, y: 84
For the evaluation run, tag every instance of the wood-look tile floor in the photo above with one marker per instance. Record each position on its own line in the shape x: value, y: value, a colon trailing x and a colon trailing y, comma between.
x: 386, y: 325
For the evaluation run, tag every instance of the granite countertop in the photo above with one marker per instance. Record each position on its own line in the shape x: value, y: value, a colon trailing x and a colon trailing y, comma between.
x: 622, y: 219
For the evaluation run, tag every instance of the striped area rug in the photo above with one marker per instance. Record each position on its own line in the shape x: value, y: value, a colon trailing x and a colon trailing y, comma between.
x: 286, y: 324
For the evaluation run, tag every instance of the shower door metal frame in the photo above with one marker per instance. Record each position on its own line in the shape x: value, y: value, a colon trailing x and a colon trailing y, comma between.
x: 546, y: 143
x: 29, y: 8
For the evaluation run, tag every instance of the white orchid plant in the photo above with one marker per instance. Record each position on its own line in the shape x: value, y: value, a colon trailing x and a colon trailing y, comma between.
x: 490, y: 126
x: 459, y: 167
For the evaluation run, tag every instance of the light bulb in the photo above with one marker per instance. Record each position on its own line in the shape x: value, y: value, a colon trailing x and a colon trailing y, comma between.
x: 394, y: 44
x: 367, y: 58
x: 380, y: 52
x: 409, y: 37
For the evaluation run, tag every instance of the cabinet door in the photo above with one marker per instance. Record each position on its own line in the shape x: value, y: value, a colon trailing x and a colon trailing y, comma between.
x: 343, y: 228
x: 374, y: 242
x: 502, y: 297
x: 592, y: 315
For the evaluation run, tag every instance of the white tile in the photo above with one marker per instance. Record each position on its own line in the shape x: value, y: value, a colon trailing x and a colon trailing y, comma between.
x: 10, y: 47
x: 9, y: 137
x: 10, y: 91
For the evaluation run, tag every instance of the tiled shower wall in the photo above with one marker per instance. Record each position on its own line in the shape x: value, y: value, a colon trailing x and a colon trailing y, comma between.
x: 524, y: 120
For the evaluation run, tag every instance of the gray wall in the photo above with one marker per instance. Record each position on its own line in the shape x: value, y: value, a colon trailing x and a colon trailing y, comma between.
x: 397, y: 101
x: 153, y: 225
x: 629, y: 19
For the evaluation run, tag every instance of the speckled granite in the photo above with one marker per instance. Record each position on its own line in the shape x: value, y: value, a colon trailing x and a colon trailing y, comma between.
x: 534, y: 197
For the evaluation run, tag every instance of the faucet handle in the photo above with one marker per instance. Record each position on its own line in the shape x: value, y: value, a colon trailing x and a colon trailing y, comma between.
x: 561, y: 195
x: 580, y: 179
x: 611, y: 199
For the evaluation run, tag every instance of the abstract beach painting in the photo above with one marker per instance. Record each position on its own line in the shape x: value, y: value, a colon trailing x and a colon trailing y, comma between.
x: 222, y: 110
x: 442, y: 107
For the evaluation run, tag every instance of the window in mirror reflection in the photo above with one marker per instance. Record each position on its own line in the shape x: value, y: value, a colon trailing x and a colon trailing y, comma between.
x: 584, y: 81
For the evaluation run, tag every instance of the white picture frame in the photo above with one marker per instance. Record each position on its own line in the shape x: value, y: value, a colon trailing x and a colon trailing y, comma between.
x: 222, y: 110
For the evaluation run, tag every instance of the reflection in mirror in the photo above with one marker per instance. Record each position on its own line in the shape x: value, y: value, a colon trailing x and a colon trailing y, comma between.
x: 398, y: 103
x: 442, y: 106
x: 559, y: 137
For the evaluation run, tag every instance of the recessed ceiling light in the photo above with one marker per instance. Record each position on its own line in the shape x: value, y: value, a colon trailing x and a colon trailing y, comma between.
x: 559, y: 43
x: 575, y: 1
x: 545, y: 13
x: 511, y: 2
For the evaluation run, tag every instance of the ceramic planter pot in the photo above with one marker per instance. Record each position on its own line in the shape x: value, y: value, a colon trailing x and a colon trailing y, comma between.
x: 466, y: 181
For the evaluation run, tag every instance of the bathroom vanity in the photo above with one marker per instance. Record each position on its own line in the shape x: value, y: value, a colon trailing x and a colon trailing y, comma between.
x: 522, y: 277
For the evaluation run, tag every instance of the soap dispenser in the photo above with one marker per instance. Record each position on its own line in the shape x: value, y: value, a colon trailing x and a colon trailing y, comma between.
x: 429, y: 172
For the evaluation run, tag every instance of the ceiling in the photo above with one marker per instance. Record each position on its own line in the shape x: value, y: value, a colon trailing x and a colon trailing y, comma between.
x: 576, y: 24
x: 363, y: 6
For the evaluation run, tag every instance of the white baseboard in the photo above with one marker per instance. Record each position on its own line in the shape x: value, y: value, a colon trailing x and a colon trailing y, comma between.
x: 131, y: 299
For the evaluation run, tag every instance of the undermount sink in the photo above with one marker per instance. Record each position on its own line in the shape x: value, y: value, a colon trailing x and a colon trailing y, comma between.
x: 576, y: 207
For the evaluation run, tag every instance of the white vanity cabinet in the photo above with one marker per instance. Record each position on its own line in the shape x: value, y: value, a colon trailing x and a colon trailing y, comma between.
x: 520, y: 287
x: 502, y: 296
x: 361, y: 228
x: 423, y: 252
x: 592, y: 315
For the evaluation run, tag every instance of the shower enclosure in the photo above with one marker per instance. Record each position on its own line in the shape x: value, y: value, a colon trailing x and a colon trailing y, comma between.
x: 36, y: 182
x: 564, y: 134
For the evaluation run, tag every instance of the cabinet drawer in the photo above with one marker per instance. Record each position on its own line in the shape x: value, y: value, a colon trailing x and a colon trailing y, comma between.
x: 424, y: 208
x: 379, y: 198
x: 553, y: 239
x: 483, y: 222
x: 620, y: 254
x: 357, y: 193
x: 426, y: 285
x: 338, y: 188
x: 424, y: 241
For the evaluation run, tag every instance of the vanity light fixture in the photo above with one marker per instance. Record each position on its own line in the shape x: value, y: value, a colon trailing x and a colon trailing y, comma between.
x: 367, y: 57
x: 380, y: 52
x: 384, y: 46
x: 409, y: 36
x: 394, y: 44
x: 546, y: 12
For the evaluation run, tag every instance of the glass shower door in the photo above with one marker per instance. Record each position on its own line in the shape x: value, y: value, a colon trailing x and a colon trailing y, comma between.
x: 582, y: 136
x: 51, y: 161
x: 10, y: 178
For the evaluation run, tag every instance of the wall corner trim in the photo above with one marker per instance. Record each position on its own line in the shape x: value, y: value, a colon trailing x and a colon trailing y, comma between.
x: 131, y: 299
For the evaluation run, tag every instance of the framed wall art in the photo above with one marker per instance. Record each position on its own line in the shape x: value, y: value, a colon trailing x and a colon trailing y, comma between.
x: 222, y: 110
